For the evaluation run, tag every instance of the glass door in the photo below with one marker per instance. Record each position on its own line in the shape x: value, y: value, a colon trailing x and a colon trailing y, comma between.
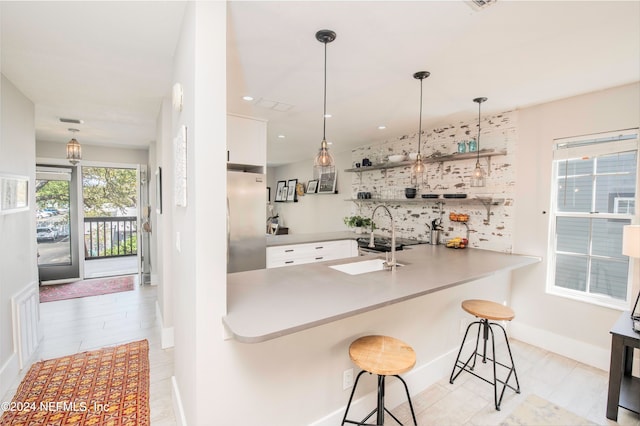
x: 56, y: 224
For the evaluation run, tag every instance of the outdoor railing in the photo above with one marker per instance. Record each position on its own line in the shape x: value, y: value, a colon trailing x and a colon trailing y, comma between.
x: 110, y: 236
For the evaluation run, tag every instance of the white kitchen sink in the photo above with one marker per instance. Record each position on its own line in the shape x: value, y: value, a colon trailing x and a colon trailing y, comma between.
x: 361, y: 267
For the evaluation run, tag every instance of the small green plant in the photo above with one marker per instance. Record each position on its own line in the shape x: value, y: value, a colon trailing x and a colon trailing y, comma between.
x: 357, y: 222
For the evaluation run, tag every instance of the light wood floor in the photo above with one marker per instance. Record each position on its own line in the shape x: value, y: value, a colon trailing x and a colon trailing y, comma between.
x: 576, y: 387
x: 78, y: 325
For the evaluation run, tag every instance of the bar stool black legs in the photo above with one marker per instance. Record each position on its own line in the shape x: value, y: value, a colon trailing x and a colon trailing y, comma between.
x: 383, y: 356
x: 485, y: 326
x: 380, y: 408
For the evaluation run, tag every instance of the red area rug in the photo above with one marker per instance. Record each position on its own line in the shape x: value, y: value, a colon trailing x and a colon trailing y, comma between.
x: 84, y: 288
x: 107, y: 386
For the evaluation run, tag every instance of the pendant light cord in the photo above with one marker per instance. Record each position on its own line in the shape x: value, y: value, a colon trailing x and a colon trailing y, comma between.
x: 420, y: 124
x: 478, y: 147
x: 324, y: 114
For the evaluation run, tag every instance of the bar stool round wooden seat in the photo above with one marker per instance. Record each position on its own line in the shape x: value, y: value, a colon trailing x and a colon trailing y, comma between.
x: 486, y: 311
x: 384, y: 356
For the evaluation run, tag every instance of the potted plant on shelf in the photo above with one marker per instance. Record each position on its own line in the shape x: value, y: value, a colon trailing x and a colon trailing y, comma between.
x: 357, y: 222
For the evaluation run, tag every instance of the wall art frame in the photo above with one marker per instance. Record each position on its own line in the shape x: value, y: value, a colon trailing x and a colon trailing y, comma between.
x: 327, y: 183
x: 159, y: 190
x: 291, y: 190
x: 312, y: 186
x: 14, y: 193
x: 279, y: 195
x: 180, y: 167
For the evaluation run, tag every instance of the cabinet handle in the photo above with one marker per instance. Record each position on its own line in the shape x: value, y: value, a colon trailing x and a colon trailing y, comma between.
x: 289, y: 261
x: 227, y: 156
x: 320, y: 258
x: 320, y: 247
x: 288, y: 251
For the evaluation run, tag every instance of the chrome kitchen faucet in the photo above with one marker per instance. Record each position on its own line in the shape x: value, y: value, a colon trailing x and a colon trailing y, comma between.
x: 390, y: 265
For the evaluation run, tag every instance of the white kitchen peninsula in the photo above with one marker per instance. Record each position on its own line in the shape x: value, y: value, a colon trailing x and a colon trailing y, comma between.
x: 269, y: 303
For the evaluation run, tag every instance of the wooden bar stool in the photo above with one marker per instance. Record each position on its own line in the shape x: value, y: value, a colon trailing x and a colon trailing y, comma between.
x: 485, y: 311
x: 384, y: 356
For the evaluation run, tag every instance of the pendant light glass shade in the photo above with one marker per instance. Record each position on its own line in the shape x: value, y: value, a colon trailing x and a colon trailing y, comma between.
x: 74, y: 150
x: 323, y: 163
x: 477, y: 177
x: 418, y: 168
x: 324, y: 158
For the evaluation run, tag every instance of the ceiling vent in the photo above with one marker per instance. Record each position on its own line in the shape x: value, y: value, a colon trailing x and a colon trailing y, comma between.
x: 71, y: 120
x: 479, y: 5
x: 274, y: 105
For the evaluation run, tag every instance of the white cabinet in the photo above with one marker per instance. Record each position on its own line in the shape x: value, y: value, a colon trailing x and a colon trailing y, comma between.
x: 298, y: 254
x: 246, y: 141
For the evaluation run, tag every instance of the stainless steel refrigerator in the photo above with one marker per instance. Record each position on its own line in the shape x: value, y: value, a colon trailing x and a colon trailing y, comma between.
x: 246, y: 221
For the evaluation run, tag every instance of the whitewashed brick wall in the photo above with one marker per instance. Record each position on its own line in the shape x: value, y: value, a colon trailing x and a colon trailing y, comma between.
x: 499, y: 132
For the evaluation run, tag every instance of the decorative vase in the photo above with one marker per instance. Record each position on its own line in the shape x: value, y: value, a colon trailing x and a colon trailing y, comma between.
x: 462, y: 147
x: 473, y: 145
x: 358, y: 229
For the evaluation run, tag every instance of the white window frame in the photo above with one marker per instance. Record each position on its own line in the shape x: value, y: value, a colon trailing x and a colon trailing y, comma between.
x: 578, y: 147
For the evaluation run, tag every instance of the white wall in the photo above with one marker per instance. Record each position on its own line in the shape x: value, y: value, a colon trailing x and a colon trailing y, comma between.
x: 576, y: 329
x: 199, y: 267
x: 18, y: 250
x: 160, y: 156
x: 313, y: 212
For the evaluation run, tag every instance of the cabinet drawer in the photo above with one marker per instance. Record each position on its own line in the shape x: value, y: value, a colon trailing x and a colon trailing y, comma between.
x: 296, y: 254
x: 291, y: 262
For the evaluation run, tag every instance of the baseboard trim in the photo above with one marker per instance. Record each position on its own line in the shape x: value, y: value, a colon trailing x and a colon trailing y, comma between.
x: 166, y: 333
x: 585, y: 353
x: 178, y: 408
x: 417, y: 380
x: 8, y: 373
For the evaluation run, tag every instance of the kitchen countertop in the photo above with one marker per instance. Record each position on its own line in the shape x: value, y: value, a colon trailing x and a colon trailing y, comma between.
x: 268, y: 303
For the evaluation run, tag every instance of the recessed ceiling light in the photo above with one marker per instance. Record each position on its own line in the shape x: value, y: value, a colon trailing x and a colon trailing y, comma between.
x: 327, y: 116
x: 247, y: 98
x: 382, y: 127
x: 281, y: 136
x: 329, y: 143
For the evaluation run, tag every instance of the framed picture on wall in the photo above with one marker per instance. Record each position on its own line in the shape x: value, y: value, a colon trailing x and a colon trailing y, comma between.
x: 327, y: 183
x: 291, y: 186
x: 312, y: 186
x: 159, y: 190
x: 14, y: 194
x: 279, y: 187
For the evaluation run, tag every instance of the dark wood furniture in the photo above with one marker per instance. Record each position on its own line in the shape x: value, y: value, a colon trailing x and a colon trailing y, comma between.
x: 624, y: 389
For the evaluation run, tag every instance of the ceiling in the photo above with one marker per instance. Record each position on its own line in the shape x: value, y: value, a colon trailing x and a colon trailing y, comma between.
x: 110, y: 64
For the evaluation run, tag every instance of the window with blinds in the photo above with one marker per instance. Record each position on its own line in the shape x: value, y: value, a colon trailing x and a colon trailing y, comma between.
x: 593, y: 197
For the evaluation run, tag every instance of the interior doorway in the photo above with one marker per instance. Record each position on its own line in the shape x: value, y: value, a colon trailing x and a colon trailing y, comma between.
x: 56, y: 224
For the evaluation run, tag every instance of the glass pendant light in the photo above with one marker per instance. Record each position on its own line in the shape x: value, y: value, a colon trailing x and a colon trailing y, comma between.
x: 323, y: 164
x: 418, y: 168
x: 477, y: 178
x: 74, y: 150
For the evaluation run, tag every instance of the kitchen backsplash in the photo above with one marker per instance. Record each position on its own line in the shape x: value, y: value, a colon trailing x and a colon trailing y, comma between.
x: 413, y: 217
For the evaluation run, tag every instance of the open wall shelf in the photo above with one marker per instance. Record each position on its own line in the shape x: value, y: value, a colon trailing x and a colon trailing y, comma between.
x: 440, y: 159
x: 486, y: 201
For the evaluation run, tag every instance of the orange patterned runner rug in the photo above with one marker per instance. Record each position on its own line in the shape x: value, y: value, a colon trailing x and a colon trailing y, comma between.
x: 105, y: 387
